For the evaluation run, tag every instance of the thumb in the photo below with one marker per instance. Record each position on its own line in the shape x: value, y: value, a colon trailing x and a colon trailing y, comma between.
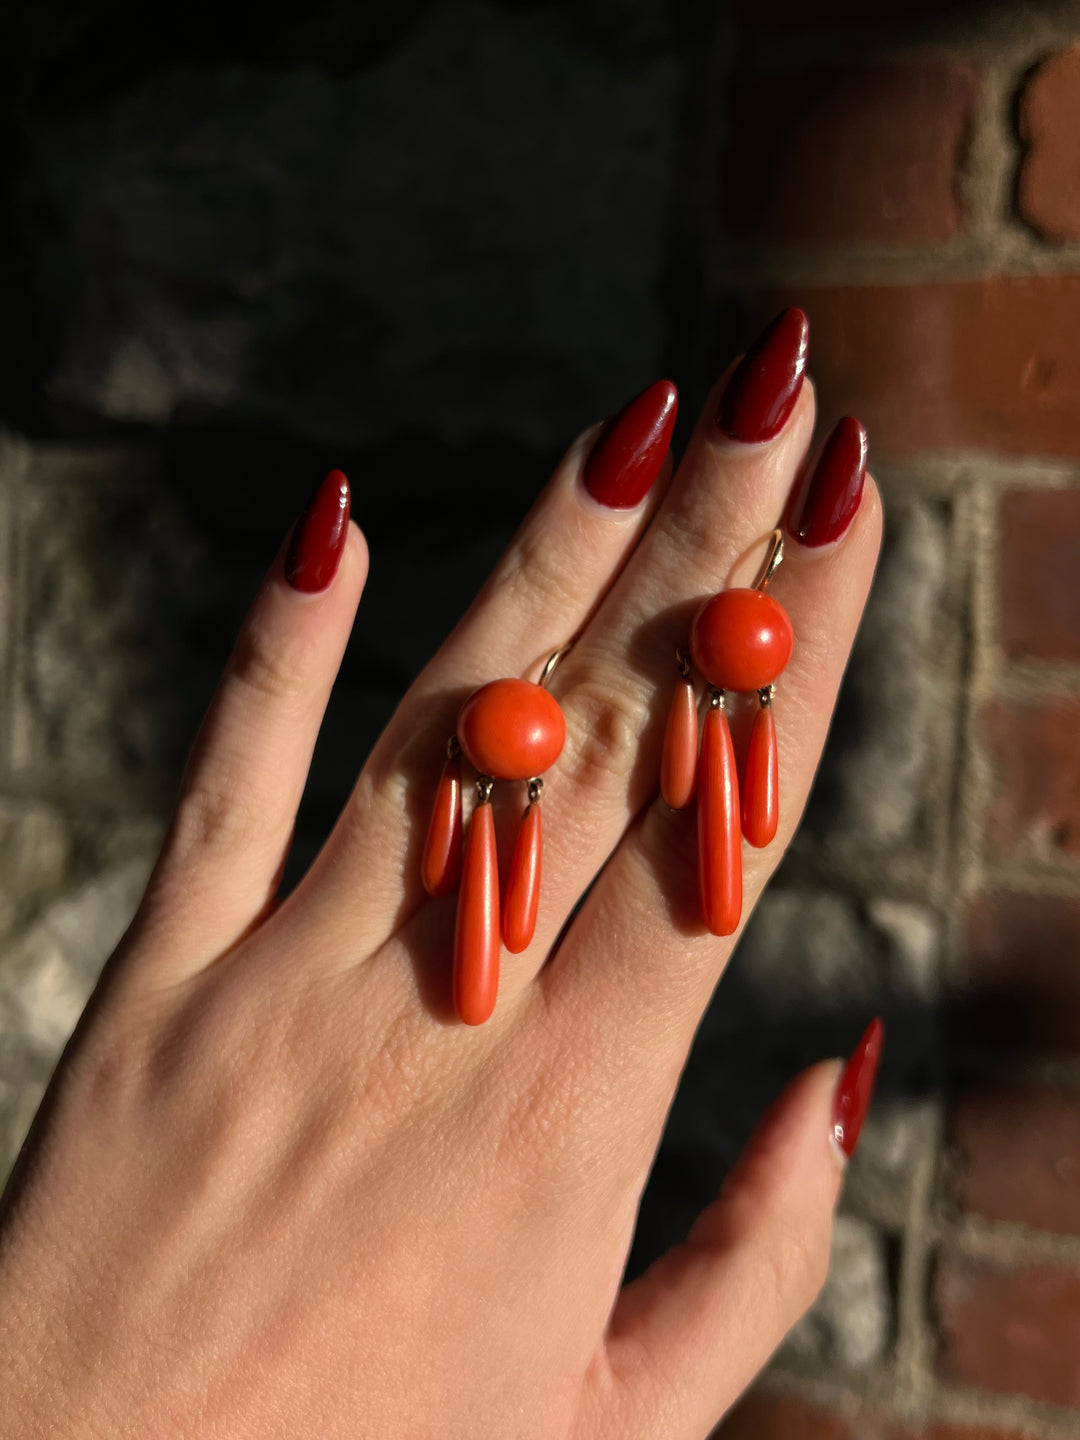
x: 688, y: 1336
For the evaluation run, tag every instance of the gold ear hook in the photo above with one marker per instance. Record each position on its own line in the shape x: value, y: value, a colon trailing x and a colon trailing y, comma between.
x: 772, y: 560
x: 552, y: 663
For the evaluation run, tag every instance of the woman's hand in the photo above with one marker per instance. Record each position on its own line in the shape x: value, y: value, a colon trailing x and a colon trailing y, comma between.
x: 277, y: 1189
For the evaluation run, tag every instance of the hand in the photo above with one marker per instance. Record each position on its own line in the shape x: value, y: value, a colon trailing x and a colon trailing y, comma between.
x: 277, y: 1189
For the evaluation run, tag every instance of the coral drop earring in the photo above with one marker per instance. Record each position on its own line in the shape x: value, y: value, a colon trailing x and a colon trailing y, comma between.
x: 678, y: 765
x: 507, y: 730
x: 740, y: 640
x: 476, y: 932
x: 523, y: 885
x: 719, y: 850
x: 761, y: 778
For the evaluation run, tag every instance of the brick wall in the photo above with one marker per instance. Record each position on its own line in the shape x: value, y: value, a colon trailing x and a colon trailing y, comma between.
x: 624, y: 191
x: 917, y: 187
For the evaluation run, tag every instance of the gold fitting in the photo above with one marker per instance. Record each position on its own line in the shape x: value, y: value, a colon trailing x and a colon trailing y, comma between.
x: 484, y: 786
x: 552, y: 663
x: 453, y: 748
x: 716, y: 699
x: 682, y: 660
x: 536, y: 785
x: 765, y: 694
x: 772, y: 561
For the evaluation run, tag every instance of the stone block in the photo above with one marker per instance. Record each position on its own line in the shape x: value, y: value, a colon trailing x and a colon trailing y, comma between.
x: 462, y: 236
x: 46, y: 977
x: 877, y: 778
x: 811, y: 971
x: 851, y: 1325
x: 111, y: 580
x: 897, y: 1142
x: 35, y: 859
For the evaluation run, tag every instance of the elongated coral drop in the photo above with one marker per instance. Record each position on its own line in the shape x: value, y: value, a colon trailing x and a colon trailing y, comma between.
x: 678, y: 763
x: 476, y: 937
x: 441, y: 865
x: 761, y: 781
x: 523, y: 884
x: 719, y: 840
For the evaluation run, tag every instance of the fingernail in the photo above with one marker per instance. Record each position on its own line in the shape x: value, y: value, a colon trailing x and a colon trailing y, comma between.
x: 830, y: 495
x: 319, y: 537
x: 626, y: 459
x: 852, y: 1098
x: 761, y: 394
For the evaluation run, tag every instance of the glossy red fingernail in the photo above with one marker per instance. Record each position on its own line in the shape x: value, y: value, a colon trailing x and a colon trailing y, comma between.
x: 852, y: 1098
x: 319, y: 537
x: 830, y: 495
x: 629, y: 453
x: 761, y: 394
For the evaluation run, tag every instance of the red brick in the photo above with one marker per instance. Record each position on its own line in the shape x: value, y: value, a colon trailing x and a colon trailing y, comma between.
x: 1016, y: 1332
x: 990, y: 364
x: 1040, y: 576
x: 834, y: 156
x: 797, y: 15
x: 782, y: 1417
x: 763, y: 1416
x: 1022, y: 971
x: 1019, y: 1154
x: 960, y: 1432
x: 1048, y: 193
x: 1035, y: 751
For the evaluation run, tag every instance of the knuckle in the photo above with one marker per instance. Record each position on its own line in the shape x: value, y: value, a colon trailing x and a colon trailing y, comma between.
x: 263, y: 664
x: 213, y: 815
x: 538, y: 571
x: 800, y: 1267
x: 605, y: 723
x: 691, y: 546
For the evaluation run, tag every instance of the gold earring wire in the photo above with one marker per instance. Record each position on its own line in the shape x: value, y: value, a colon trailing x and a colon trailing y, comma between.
x: 552, y: 663
x: 772, y: 560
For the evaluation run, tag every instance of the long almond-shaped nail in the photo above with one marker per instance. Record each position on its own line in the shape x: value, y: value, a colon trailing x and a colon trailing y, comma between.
x: 829, y: 497
x: 629, y: 453
x: 319, y: 537
x: 762, y: 392
x: 851, y: 1099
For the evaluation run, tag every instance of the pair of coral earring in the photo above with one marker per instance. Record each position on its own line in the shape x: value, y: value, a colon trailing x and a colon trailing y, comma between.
x: 740, y: 641
x: 513, y: 730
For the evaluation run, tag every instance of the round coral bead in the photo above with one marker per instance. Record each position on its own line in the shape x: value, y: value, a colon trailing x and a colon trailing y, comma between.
x: 741, y: 639
x: 511, y: 730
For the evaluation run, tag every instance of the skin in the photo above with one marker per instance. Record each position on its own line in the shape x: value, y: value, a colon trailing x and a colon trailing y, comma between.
x: 276, y: 1190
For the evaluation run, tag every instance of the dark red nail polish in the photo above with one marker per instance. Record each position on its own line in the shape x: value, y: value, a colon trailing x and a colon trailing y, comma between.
x: 630, y: 451
x: 761, y: 394
x: 319, y: 537
x: 852, y: 1098
x: 830, y: 495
